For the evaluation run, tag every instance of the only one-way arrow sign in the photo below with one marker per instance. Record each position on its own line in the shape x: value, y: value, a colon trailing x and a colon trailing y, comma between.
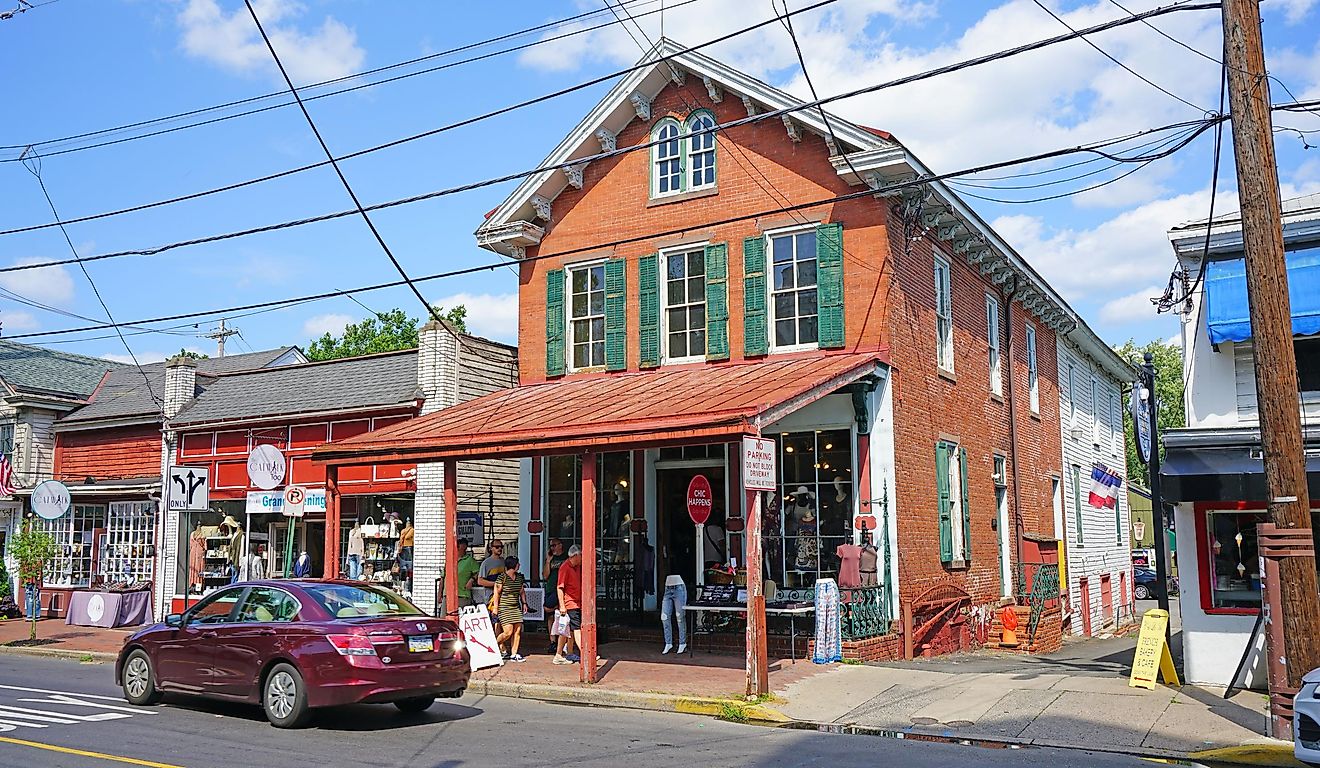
x: 189, y: 488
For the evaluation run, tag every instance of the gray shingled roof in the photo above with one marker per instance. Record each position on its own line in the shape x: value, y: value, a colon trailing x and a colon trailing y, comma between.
x: 37, y: 370
x: 125, y: 393
x: 353, y: 383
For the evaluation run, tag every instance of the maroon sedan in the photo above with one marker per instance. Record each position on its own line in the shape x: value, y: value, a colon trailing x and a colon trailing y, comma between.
x: 293, y: 646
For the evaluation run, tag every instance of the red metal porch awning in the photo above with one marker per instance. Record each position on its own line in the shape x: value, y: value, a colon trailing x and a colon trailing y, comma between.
x: 614, y: 411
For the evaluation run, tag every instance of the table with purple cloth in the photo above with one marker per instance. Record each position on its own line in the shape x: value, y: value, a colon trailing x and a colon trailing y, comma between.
x: 109, y: 609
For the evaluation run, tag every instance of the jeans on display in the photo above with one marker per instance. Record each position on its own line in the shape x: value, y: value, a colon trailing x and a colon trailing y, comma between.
x: 675, y: 598
x: 31, y: 603
x: 355, y: 567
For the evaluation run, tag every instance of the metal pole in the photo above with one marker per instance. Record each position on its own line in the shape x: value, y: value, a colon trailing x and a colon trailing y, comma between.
x: 1156, y: 500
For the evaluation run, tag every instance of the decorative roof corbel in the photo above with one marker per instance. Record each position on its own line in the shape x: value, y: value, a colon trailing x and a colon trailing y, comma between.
x: 574, y: 174
x: 542, y: 206
x: 794, y: 132
x: 713, y: 89
x: 606, y: 139
x: 641, y: 105
x: 749, y: 105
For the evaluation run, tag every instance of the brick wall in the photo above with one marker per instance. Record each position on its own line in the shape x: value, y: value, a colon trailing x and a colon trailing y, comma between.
x: 108, y: 454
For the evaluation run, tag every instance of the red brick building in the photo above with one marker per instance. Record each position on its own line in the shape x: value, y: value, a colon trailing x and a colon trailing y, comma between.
x: 714, y: 285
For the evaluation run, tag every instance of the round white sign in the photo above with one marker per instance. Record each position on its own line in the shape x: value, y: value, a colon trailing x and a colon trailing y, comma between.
x: 266, y: 467
x: 51, y: 499
x: 96, y: 608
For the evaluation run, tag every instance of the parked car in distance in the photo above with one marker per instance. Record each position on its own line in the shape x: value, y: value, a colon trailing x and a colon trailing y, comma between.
x: 293, y: 646
x: 1143, y: 584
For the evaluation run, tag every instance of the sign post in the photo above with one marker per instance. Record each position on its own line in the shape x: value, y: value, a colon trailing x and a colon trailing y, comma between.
x: 758, y: 474
x: 1152, y: 658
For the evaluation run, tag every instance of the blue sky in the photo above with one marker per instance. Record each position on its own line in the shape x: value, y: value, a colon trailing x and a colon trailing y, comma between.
x: 80, y: 65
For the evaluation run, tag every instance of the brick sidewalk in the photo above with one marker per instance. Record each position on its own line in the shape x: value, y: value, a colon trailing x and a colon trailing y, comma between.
x: 65, y: 638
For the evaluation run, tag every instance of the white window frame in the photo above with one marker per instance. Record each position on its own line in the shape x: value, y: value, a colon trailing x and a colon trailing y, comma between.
x: 768, y: 237
x: 681, y: 250
x: 689, y: 139
x: 569, y: 335
x: 943, y: 278
x: 1033, y: 370
x: 992, y: 338
x: 1096, y: 423
x: 681, y: 139
x: 1116, y: 421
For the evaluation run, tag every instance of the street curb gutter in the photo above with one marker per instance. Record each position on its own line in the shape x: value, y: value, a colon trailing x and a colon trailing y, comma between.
x: 60, y: 653
x: 729, y: 709
x: 1279, y: 753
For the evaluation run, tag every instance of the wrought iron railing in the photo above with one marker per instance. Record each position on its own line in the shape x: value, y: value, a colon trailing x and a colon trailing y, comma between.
x: 1038, y: 587
x: 864, y: 612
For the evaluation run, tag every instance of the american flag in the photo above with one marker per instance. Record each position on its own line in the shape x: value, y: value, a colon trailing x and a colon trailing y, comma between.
x: 6, y: 477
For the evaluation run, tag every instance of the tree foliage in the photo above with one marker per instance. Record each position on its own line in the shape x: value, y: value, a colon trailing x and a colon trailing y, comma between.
x: 191, y: 354
x: 31, y: 548
x: 386, y: 332
x: 1169, y: 386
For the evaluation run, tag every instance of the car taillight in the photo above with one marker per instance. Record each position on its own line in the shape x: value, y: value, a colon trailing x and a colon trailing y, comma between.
x: 351, y: 645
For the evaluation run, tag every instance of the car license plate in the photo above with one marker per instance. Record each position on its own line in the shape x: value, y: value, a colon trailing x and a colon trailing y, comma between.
x: 421, y: 643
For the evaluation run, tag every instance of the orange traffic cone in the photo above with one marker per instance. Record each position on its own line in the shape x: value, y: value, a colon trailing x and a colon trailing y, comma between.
x: 1009, y: 621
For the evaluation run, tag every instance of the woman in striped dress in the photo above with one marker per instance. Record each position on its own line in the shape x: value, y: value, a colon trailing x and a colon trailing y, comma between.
x: 510, y: 605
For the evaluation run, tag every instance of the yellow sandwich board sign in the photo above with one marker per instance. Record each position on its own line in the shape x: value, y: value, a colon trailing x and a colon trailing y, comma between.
x: 1152, y: 657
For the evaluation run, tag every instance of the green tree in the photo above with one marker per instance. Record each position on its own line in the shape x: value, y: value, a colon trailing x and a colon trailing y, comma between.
x: 1168, y: 391
x: 31, y: 548
x: 190, y: 354
x: 386, y: 332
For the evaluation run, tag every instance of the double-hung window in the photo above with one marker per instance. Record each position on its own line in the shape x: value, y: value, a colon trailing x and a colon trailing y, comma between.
x: 1072, y: 397
x: 992, y: 341
x: 586, y: 287
x: 1077, y: 504
x: 1033, y: 379
x: 683, y: 155
x: 685, y: 304
x: 7, y: 441
x: 1097, y: 422
x: 1116, y: 422
x: 955, y: 519
x: 793, y: 289
x: 943, y: 315
x: 668, y: 171
x: 701, y: 151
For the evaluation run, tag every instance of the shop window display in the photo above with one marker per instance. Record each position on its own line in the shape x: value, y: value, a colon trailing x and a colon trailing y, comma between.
x: 211, y: 549
x: 613, y: 503
x: 378, y: 531
x: 809, y: 518
x: 127, y: 549
x: 76, y: 537
x: 1232, y: 558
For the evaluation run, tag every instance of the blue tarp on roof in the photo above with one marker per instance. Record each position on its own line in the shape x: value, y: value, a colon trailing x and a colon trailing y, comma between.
x: 1227, y: 316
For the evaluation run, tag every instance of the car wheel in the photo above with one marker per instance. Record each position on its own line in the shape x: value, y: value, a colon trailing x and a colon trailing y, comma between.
x: 414, y: 705
x: 285, y: 698
x: 1142, y: 592
x: 139, y: 680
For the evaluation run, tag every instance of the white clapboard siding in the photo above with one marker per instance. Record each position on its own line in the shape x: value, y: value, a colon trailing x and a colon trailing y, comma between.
x: 1244, y: 369
x: 485, y: 368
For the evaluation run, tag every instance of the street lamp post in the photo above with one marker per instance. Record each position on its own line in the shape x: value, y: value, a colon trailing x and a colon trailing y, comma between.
x: 1152, y: 457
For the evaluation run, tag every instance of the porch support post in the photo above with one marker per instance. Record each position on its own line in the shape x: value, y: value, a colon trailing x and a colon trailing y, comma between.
x: 450, y: 533
x: 588, y: 512
x: 332, y: 558
x: 758, y: 668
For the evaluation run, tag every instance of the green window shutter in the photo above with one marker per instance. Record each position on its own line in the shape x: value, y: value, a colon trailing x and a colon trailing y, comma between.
x: 717, y: 301
x: 554, y: 323
x: 756, y: 338
x: 942, y: 484
x: 616, y: 315
x: 648, y: 306
x: 829, y: 278
x: 966, y: 508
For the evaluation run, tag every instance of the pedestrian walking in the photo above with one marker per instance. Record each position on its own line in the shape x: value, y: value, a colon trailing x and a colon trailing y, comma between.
x: 570, y: 607
x: 553, y: 559
x: 511, y: 604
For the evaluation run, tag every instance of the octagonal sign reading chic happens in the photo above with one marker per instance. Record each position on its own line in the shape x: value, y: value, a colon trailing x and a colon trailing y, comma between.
x: 699, y: 499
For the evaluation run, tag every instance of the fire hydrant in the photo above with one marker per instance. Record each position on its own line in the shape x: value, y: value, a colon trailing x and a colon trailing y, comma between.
x: 1009, y: 620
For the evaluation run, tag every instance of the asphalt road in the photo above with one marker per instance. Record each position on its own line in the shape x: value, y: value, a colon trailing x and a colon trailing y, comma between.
x: 63, y: 713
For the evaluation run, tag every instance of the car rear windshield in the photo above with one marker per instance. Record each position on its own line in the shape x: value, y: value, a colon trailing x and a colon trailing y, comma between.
x: 346, y: 601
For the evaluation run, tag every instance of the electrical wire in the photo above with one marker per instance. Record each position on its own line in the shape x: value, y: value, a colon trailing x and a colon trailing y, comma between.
x: 596, y: 247
x: 341, y: 91
x: 938, y: 71
x: 320, y: 84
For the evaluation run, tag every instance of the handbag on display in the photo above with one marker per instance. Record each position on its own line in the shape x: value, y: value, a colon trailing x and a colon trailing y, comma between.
x: 370, y: 528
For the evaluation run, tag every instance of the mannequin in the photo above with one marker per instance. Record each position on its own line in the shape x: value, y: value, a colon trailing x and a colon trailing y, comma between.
x: 804, y: 503
x: 196, y: 557
x: 808, y: 548
x: 618, y: 506
x: 850, y: 558
x: 675, y: 597
x: 406, y: 552
x: 356, y: 551
x: 867, y: 570
x: 233, y: 549
x: 772, y: 554
x: 302, y: 567
x: 623, y: 553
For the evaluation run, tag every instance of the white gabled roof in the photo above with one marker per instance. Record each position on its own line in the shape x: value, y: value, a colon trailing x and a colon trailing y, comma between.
x: 515, y: 218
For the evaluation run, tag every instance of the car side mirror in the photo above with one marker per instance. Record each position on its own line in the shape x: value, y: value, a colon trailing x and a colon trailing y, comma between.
x: 174, y: 620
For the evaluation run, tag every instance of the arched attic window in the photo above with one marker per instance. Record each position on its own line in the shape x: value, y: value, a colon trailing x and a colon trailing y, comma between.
x: 667, y: 158
x: 701, y: 150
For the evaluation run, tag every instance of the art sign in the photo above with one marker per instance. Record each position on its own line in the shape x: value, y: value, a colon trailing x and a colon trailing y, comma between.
x: 470, y: 527
x: 266, y: 467
x: 479, y: 634
x: 700, y: 499
x: 51, y: 500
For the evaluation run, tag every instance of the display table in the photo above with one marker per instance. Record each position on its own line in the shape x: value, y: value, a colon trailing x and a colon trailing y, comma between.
x: 109, y: 609
x: 791, y: 613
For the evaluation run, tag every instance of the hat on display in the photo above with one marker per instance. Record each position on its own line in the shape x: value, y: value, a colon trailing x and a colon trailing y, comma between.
x: 230, y: 522
x: 802, y: 491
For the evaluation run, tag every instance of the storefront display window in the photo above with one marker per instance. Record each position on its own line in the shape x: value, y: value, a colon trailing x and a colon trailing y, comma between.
x: 76, y: 537
x: 613, y: 503
x: 128, y: 548
x: 381, y: 523
x: 810, y: 517
x: 1233, y: 559
x: 207, y: 558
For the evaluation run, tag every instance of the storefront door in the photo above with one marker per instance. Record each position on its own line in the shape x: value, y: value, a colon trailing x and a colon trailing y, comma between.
x: 680, y: 551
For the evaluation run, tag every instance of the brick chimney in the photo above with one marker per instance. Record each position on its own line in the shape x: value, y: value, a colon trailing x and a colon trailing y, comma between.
x: 180, y: 384
x: 437, y: 366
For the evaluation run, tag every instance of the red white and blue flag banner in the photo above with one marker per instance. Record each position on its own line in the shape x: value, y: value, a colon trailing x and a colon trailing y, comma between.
x: 6, y: 477
x: 1104, y: 487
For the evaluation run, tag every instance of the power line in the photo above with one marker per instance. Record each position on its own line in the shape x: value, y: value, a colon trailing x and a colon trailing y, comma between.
x: 1095, y: 147
x: 946, y: 69
x: 338, y: 92
x: 33, y: 165
x: 322, y: 83
x: 1106, y: 54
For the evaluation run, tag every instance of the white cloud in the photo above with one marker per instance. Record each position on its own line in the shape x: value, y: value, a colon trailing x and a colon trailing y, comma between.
x: 1132, y: 308
x: 12, y: 321
x: 1293, y: 10
x: 493, y: 315
x: 48, y: 285
x: 318, y: 325
x: 232, y: 41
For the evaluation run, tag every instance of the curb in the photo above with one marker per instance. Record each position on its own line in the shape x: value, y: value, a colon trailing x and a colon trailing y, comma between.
x: 728, y: 709
x: 1278, y: 753
x: 60, y: 653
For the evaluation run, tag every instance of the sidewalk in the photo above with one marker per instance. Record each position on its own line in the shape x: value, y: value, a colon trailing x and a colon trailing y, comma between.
x: 1076, y: 698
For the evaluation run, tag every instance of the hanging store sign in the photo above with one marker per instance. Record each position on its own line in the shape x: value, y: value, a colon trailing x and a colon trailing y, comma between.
x: 266, y: 467
x: 272, y: 502
x: 51, y: 500
x: 189, y: 488
x: 758, y: 464
x: 1141, y: 422
x: 295, y: 500
x: 470, y: 527
x: 699, y: 499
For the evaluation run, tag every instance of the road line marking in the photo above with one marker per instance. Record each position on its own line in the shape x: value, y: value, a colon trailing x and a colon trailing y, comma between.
x: 8, y: 726
x: 78, y: 702
x: 64, y: 693
x: 37, y: 715
x: 85, y: 753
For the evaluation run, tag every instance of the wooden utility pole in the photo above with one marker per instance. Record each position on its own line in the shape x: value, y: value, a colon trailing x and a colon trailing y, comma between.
x: 1271, y: 323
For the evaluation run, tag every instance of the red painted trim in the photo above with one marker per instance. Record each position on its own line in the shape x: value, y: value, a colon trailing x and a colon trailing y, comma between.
x: 534, y: 513
x: 1201, y: 548
x: 587, y: 671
